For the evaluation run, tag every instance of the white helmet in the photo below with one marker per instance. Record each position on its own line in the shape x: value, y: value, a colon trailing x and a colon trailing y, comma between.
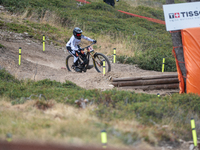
x: 77, y: 32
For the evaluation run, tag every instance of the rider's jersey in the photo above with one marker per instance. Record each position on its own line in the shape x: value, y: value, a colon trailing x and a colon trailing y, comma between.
x: 74, y: 42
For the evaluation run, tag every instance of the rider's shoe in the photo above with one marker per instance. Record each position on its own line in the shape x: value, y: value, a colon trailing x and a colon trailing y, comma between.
x: 82, y: 67
x: 89, y: 66
x: 85, y: 68
x: 77, y: 69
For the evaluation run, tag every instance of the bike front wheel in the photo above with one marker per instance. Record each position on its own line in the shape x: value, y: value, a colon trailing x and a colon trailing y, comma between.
x: 98, y: 63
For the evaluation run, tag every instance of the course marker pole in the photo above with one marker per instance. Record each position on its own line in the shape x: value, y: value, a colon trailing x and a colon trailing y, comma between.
x: 158, y: 94
x: 194, y: 134
x: 20, y: 56
x: 43, y: 42
x: 9, y: 137
x: 104, y: 67
x: 104, y: 138
x: 114, y: 55
x: 163, y: 64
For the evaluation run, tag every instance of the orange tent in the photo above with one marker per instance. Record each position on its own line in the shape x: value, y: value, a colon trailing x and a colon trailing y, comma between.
x: 191, y: 50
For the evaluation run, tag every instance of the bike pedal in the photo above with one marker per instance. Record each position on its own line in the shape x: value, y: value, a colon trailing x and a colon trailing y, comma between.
x: 72, y: 67
x: 84, y: 70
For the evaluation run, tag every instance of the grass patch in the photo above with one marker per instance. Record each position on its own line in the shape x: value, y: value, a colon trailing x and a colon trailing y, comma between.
x: 36, y: 30
x: 1, y: 46
x: 150, y: 112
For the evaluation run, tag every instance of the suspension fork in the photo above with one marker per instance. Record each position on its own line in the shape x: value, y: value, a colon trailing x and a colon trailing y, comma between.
x: 92, y: 55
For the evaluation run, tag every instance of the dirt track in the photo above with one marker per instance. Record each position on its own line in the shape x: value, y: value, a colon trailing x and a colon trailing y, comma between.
x: 37, y: 64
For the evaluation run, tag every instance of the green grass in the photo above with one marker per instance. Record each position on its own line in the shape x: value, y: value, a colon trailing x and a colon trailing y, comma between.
x: 1, y: 46
x: 35, y: 30
x: 113, y: 105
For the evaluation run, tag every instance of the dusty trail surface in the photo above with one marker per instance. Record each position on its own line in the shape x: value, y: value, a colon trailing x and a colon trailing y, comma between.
x: 37, y: 64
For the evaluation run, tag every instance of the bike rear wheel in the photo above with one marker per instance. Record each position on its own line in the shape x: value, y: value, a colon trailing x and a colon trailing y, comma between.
x: 98, y: 62
x: 70, y: 63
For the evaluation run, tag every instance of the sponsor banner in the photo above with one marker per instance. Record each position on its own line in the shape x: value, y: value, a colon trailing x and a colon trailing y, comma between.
x: 181, y: 16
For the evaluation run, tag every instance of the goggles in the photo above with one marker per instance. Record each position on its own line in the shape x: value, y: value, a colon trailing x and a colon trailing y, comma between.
x: 78, y: 34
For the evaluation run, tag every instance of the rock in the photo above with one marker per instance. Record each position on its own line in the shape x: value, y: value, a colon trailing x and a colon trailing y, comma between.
x: 191, y: 147
x: 82, y: 102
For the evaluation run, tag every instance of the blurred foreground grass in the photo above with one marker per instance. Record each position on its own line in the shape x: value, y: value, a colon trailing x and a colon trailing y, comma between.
x: 128, y: 117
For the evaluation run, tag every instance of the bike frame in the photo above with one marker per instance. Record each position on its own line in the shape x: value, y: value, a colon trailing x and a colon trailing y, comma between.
x: 91, y: 52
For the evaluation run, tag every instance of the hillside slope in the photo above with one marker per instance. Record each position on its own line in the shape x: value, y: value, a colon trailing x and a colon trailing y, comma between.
x: 38, y: 64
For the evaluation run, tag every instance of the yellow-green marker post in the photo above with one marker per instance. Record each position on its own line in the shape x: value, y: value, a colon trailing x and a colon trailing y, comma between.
x: 158, y: 94
x: 114, y: 55
x: 104, y: 67
x: 20, y: 56
x: 163, y: 64
x: 9, y: 137
x: 194, y: 134
x: 43, y: 42
x: 104, y: 138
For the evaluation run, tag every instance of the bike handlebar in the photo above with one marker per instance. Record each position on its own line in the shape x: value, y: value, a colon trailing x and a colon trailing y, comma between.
x: 88, y: 46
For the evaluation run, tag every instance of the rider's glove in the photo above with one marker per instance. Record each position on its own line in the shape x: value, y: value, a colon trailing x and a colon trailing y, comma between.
x: 81, y: 50
x: 94, y: 41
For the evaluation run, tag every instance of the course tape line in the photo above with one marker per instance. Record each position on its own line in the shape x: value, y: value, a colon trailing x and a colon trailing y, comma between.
x: 150, y: 19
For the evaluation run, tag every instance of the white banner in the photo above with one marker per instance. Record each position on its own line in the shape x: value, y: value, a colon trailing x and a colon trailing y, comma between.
x: 182, y: 15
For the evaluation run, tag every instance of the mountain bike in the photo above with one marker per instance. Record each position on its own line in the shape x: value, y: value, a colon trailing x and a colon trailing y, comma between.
x: 98, y: 60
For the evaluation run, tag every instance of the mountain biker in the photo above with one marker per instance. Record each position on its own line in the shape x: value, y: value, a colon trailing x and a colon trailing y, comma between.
x: 74, y: 48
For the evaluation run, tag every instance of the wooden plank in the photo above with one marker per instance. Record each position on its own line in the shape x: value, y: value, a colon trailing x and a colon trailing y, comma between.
x: 153, y: 87
x: 145, y: 82
x: 145, y: 77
